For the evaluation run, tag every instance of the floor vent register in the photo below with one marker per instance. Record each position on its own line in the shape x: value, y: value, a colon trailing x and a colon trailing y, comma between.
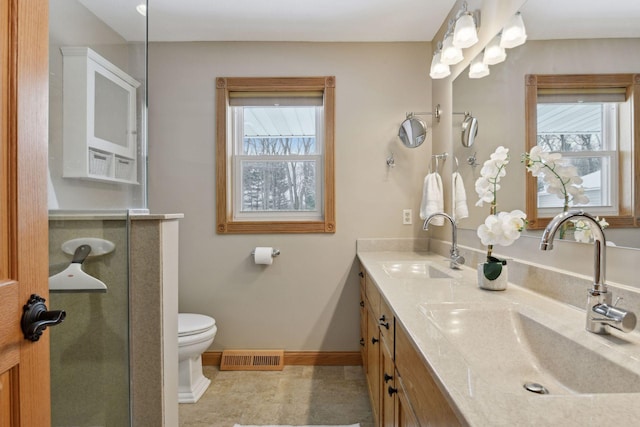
x: 252, y: 360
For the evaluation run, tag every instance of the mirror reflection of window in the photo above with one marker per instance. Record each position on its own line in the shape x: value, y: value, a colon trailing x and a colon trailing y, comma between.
x: 589, y: 120
x: 586, y: 135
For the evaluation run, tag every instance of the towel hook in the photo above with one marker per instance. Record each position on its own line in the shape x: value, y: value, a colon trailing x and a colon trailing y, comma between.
x: 472, y: 161
x: 437, y: 157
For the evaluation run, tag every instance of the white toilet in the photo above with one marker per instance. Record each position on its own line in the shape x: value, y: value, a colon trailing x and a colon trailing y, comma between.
x: 195, y: 334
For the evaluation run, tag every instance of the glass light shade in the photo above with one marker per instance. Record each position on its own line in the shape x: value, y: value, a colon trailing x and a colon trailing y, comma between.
x: 478, y: 68
x: 514, y: 33
x: 438, y: 69
x: 450, y: 55
x: 465, y: 34
x: 142, y: 9
x: 493, y: 53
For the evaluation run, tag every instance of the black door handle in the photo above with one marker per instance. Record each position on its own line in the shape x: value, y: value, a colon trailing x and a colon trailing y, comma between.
x: 392, y: 391
x: 374, y: 340
x: 36, y: 318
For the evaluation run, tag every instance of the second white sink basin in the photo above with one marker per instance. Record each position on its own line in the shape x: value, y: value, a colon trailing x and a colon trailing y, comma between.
x: 508, y: 349
x: 413, y: 270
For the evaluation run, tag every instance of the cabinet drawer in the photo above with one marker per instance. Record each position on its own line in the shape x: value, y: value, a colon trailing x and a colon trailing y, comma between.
x: 373, y: 296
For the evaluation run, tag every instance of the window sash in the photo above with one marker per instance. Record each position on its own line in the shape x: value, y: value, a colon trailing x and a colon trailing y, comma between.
x: 270, y: 215
x: 609, y: 184
x: 237, y: 159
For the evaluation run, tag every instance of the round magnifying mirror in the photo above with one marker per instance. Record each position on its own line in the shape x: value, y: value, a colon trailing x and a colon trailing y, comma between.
x: 469, y: 130
x: 413, y: 132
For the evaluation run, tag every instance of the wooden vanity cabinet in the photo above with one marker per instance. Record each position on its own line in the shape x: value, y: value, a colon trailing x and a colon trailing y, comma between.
x: 402, y: 390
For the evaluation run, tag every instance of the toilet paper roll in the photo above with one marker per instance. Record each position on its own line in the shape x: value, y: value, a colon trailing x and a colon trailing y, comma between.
x: 263, y: 255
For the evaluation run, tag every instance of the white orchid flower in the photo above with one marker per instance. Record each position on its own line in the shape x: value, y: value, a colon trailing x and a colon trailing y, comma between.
x: 502, y: 229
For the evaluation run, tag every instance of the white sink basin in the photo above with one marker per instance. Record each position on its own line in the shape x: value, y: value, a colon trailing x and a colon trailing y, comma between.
x: 508, y: 349
x: 413, y: 270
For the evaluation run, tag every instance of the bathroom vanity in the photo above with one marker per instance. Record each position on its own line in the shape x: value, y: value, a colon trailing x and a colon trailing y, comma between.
x: 440, y: 351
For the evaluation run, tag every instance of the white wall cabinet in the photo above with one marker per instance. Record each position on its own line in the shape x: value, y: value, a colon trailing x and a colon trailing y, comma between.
x: 99, y: 118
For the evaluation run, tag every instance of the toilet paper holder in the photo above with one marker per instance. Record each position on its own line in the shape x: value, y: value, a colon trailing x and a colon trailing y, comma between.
x: 275, y: 252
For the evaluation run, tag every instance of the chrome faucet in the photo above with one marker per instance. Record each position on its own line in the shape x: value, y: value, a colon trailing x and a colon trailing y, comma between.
x: 455, y: 259
x: 600, y: 312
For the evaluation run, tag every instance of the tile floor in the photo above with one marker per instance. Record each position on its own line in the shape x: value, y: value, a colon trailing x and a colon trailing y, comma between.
x: 298, y: 395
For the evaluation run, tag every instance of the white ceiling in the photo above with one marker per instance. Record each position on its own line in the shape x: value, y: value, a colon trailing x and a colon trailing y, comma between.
x: 276, y: 20
x: 578, y: 19
x: 350, y: 20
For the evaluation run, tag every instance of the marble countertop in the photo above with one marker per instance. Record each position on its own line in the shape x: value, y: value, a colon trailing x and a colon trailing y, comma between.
x: 474, y: 393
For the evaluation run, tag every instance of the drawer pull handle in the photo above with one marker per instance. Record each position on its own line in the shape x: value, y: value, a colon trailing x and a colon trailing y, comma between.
x: 387, y: 377
x: 383, y: 323
x: 392, y: 390
x: 362, y: 342
x: 374, y: 340
x: 361, y: 303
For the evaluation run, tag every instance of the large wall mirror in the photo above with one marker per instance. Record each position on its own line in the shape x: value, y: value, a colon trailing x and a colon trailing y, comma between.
x: 571, y: 37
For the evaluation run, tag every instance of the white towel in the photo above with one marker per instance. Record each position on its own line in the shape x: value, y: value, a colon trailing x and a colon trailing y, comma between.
x: 460, y: 209
x: 432, y: 198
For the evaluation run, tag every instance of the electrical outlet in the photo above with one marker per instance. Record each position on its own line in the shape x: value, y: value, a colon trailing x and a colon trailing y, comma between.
x: 407, y: 217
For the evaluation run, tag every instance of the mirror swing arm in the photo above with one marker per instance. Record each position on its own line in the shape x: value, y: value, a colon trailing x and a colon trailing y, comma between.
x: 413, y: 130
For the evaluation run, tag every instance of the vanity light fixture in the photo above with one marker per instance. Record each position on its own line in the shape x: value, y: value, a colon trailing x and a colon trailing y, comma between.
x: 142, y: 9
x: 478, y: 68
x: 514, y: 33
x: 451, y: 54
x: 494, y: 53
x: 439, y: 70
x: 465, y: 33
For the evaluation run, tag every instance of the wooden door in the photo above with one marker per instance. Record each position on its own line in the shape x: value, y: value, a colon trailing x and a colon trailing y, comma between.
x: 24, y: 365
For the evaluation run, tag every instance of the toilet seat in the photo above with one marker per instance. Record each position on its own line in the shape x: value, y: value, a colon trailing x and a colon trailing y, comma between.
x: 193, y: 324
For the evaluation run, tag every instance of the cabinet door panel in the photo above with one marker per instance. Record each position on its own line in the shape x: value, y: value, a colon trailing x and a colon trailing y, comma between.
x: 429, y: 404
x: 373, y: 364
x: 404, y: 416
x: 388, y: 387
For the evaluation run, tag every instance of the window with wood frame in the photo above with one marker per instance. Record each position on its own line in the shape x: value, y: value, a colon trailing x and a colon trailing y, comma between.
x: 594, y: 122
x: 275, y: 155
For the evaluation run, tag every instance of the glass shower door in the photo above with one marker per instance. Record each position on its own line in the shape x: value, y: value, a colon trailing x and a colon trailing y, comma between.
x: 90, y: 369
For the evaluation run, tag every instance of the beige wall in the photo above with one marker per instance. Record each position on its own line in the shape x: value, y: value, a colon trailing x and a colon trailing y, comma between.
x: 308, y: 298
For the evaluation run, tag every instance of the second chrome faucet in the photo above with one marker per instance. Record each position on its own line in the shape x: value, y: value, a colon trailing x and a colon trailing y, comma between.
x: 600, y: 312
x: 455, y: 259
